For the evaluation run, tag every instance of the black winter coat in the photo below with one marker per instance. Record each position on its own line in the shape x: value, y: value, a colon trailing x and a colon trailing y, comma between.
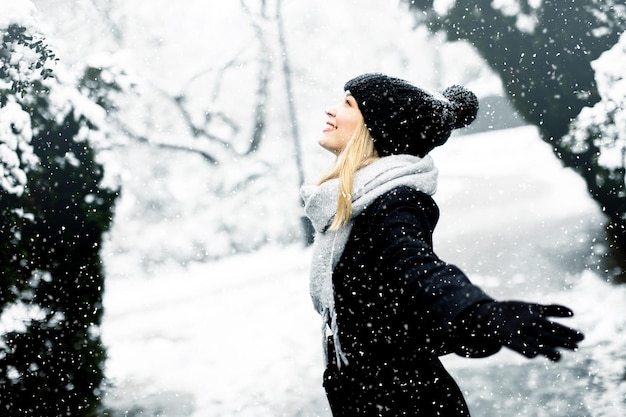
x: 396, y: 304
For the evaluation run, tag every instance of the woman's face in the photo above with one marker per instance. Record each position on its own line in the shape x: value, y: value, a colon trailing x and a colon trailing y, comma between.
x: 343, y: 118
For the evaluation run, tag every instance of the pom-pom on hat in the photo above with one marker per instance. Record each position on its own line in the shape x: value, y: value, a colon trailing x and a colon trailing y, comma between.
x: 405, y: 119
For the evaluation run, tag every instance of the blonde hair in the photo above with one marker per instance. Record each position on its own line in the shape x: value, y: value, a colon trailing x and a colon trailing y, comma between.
x: 358, y: 153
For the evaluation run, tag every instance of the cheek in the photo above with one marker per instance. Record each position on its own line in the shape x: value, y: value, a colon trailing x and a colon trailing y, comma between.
x: 351, y: 122
x: 346, y: 131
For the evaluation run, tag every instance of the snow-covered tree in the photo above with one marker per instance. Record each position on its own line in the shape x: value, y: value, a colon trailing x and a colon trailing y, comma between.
x: 53, y: 213
x: 598, y: 133
x: 543, y: 51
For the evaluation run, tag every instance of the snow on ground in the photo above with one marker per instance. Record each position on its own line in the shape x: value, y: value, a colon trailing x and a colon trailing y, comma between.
x: 239, y: 337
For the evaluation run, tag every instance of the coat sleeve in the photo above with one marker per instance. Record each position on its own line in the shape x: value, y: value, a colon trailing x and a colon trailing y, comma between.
x: 437, y: 289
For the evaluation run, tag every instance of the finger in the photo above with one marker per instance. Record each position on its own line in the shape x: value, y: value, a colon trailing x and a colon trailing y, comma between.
x: 531, y: 347
x: 556, y: 310
x: 558, y: 332
x: 549, y: 339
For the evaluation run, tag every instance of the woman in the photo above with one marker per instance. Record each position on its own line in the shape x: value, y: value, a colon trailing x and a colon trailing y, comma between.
x: 391, y: 307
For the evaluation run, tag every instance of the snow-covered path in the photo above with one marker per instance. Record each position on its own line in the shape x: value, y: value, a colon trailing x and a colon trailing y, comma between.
x: 239, y: 337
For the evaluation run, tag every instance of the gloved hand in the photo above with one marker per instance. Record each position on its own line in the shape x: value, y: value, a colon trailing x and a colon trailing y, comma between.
x: 522, y: 327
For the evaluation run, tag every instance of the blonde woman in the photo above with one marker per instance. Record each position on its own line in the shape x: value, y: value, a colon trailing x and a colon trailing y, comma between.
x: 390, y: 307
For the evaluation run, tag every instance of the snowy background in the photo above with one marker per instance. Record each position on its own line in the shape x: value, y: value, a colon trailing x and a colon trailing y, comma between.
x: 192, y: 332
x: 239, y: 337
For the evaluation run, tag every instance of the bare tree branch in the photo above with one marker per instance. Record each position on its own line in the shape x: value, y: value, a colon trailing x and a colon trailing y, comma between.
x: 143, y: 139
x: 228, y: 129
x: 291, y: 104
x: 263, y: 82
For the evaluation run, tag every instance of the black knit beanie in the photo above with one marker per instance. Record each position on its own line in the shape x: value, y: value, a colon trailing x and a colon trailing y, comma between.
x: 404, y: 119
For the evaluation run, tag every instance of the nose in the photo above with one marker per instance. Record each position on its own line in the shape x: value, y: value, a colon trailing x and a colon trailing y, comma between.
x: 330, y: 111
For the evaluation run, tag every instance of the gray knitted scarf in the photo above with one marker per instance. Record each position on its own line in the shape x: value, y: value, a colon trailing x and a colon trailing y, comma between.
x: 320, y: 205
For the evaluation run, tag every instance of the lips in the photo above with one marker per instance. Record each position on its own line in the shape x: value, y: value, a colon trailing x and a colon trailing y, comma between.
x: 330, y: 125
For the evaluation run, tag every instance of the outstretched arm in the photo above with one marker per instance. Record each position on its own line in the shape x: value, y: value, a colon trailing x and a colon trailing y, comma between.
x: 476, y: 324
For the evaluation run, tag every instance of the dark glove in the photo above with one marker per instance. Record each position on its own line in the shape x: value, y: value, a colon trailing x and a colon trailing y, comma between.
x: 522, y: 327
